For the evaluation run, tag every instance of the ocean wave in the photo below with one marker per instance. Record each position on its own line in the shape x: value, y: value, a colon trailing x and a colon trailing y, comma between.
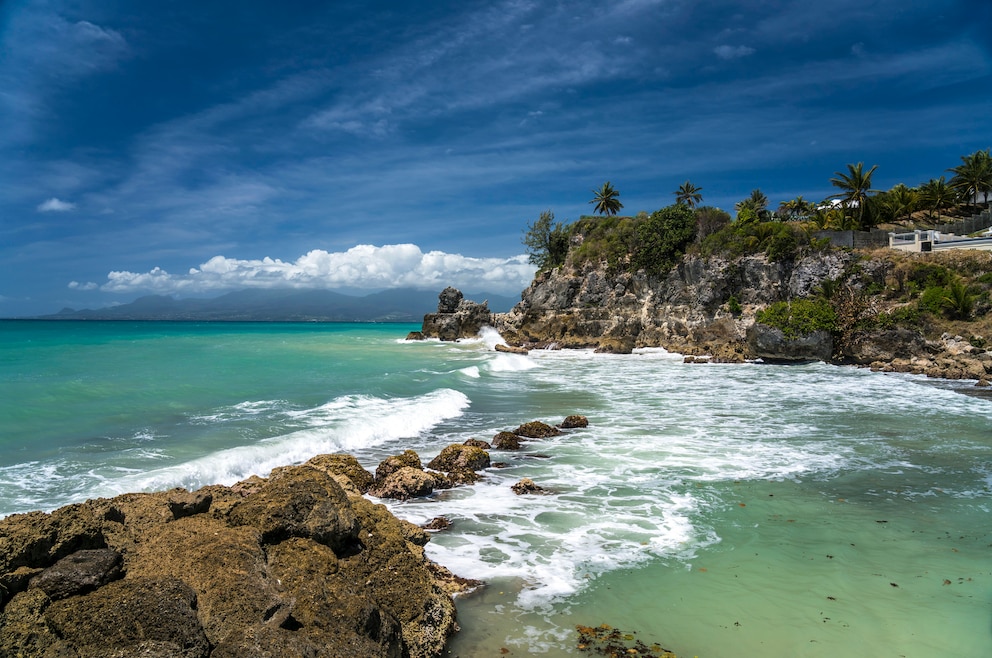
x: 347, y: 423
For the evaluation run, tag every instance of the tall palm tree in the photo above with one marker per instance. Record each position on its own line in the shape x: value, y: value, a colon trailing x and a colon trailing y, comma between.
x: 855, y: 188
x: 688, y: 194
x: 936, y: 195
x: 973, y: 176
x: 607, y: 200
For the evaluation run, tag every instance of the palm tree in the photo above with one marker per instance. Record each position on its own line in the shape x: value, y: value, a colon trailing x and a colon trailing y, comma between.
x: 935, y: 195
x: 757, y: 204
x: 688, y: 194
x: 794, y: 209
x: 607, y: 200
x: 973, y: 176
x: 855, y: 188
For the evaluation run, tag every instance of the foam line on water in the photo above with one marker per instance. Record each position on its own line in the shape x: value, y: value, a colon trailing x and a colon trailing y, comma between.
x: 347, y: 423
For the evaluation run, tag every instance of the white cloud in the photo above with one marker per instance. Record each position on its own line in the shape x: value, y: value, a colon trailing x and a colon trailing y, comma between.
x: 55, y: 205
x: 733, y: 52
x: 76, y: 285
x: 364, y: 267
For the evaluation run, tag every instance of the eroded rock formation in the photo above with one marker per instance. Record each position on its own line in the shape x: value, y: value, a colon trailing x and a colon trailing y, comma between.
x: 296, y: 564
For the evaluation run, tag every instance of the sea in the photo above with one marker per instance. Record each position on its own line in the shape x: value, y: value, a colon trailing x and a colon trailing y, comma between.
x: 713, y: 510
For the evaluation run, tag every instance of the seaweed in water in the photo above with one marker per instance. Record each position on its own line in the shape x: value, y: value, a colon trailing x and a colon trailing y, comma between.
x: 604, y: 640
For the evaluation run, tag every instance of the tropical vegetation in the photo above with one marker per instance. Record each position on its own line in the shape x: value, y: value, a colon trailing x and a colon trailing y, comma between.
x: 888, y: 290
x: 606, y: 200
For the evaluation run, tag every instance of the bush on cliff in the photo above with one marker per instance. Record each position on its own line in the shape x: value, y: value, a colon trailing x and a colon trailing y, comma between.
x: 800, y: 317
x: 662, y: 238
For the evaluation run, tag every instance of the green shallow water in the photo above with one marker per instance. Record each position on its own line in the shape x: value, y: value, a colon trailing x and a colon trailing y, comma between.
x: 717, y: 510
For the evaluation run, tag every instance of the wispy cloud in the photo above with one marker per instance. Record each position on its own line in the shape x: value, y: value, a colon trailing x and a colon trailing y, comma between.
x: 55, y: 205
x: 362, y: 267
x: 733, y: 52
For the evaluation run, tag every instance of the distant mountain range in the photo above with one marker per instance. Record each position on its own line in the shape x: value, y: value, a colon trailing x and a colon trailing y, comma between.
x: 399, y: 305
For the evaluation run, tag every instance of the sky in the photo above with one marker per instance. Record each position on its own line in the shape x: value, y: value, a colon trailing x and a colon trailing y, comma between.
x: 189, y: 148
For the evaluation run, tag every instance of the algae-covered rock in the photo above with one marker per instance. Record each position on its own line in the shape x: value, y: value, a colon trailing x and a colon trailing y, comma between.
x: 347, y: 465
x: 460, y: 457
x: 536, y: 430
x: 506, y: 441
x: 285, y: 566
x: 393, y: 463
x: 405, y: 483
x: 574, y: 421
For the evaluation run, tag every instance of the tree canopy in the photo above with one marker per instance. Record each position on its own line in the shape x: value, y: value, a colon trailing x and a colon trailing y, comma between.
x: 546, y: 241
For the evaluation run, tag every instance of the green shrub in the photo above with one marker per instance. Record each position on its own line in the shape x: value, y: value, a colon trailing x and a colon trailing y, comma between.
x: 661, y: 239
x: 734, y: 306
x: 905, y: 316
x: 800, y: 317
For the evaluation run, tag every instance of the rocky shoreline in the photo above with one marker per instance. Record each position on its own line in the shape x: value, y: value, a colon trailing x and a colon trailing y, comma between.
x: 707, y: 309
x: 300, y: 563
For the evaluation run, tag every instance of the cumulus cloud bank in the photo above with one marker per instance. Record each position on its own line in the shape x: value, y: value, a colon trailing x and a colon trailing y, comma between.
x: 364, y: 267
x: 55, y: 205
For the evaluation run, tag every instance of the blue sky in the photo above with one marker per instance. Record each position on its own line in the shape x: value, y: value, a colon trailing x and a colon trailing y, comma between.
x: 190, y: 148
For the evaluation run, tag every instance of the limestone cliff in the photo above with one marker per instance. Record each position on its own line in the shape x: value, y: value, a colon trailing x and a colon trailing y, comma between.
x: 690, y: 310
x: 709, y: 305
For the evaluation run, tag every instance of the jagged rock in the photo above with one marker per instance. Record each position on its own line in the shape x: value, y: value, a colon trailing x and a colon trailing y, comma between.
x: 983, y: 383
x: 574, y: 421
x: 346, y: 465
x: 449, y: 299
x: 884, y: 345
x: 78, y: 573
x: 184, y: 503
x: 456, y: 317
x: 299, y: 502
x: 506, y: 441
x: 536, y: 430
x: 526, y: 486
x: 770, y: 344
x: 437, y: 523
x: 478, y: 443
x: 511, y: 350
x: 415, y: 335
x: 458, y: 457
x: 404, y: 483
x: 288, y: 565
x: 391, y: 464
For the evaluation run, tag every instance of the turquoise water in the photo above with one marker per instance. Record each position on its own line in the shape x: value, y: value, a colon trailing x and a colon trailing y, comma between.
x: 719, y: 510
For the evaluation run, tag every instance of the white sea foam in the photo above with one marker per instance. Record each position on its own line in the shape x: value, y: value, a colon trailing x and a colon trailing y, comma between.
x: 346, y: 423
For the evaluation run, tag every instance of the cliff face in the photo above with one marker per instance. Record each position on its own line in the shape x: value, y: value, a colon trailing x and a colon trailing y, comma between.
x: 296, y: 564
x: 709, y: 306
x: 691, y: 310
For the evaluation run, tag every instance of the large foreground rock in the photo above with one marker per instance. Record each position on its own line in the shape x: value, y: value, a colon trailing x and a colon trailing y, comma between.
x: 296, y: 564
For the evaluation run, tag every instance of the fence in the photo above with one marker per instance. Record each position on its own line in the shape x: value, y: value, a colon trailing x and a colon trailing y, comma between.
x: 983, y: 220
x: 856, y: 239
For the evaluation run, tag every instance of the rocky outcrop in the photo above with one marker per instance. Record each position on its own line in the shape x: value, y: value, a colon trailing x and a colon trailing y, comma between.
x: 686, y: 311
x: 296, y: 564
x: 456, y: 318
x: 771, y: 345
x: 706, y: 308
